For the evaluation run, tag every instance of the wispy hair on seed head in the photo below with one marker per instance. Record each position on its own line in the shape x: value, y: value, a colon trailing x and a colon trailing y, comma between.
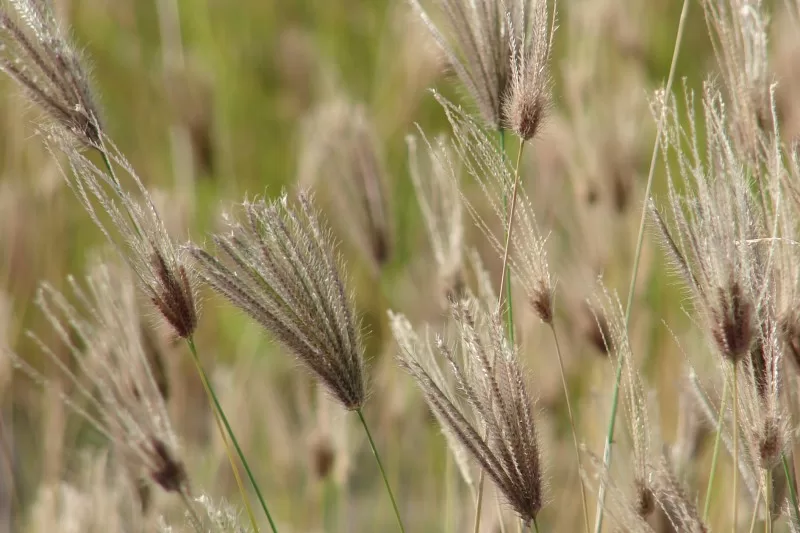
x: 278, y: 264
x: 714, y: 221
x: 436, y: 185
x: 490, y: 168
x: 136, y: 231
x: 491, y: 385
x: 36, y: 53
x: 112, y: 375
x: 489, y: 43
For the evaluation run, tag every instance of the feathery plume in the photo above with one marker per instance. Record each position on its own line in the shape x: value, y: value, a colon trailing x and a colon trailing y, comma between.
x: 113, y: 377
x: 634, y: 399
x: 490, y: 168
x: 138, y: 233
x: 490, y: 379
x: 715, y: 224
x: 437, y: 188
x: 489, y: 43
x: 36, y: 53
x: 738, y: 30
x: 423, y: 350
x: 281, y: 270
x: 341, y: 150
x: 528, y: 96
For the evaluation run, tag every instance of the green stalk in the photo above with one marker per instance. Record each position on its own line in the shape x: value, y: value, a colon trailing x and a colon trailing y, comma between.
x: 505, y: 284
x: 792, y: 489
x: 735, y: 444
x: 380, y: 466
x: 224, y: 419
x: 712, y: 474
x: 640, y: 240
x: 535, y: 526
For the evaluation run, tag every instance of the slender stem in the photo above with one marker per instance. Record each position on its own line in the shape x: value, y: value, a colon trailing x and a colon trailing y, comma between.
x: 505, y: 285
x: 755, y: 511
x: 640, y: 240
x: 767, y: 501
x: 792, y: 489
x: 108, y: 165
x: 535, y: 525
x: 380, y: 466
x: 479, y: 503
x: 505, y: 279
x: 735, y: 445
x: 234, y: 468
x: 500, y: 513
x: 224, y: 419
x: 571, y: 424
x: 717, y: 439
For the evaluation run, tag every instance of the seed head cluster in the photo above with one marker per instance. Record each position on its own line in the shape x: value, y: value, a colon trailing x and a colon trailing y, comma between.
x: 490, y: 379
x: 139, y: 234
x: 280, y: 268
x: 115, y: 387
x: 500, y: 52
x: 36, y: 54
x: 491, y: 169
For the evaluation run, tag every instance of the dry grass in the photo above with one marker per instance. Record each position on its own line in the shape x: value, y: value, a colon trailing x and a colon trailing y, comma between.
x: 478, y: 235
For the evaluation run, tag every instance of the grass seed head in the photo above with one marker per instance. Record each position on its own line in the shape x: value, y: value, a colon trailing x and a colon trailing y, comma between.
x: 36, y: 53
x: 279, y: 266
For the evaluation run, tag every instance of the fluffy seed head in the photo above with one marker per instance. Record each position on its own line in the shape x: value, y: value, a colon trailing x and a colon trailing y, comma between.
x: 714, y: 226
x: 436, y: 185
x: 499, y: 51
x: 137, y: 232
x: 528, y: 95
x: 36, y: 54
x: 490, y: 168
x: 491, y: 388
x: 114, y: 383
x: 341, y: 152
x: 279, y: 266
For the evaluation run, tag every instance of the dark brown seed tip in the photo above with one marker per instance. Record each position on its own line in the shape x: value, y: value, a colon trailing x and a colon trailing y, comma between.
x: 645, y: 502
x: 542, y: 303
x: 732, y: 322
x: 525, y: 116
x: 322, y: 458
x: 169, y: 472
x: 175, y: 299
x: 770, y: 444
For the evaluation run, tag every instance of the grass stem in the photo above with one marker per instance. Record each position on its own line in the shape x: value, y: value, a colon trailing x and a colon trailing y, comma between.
x: 715, y: 454
x: 571, y: 424
x: 380, y: 466
x: 792, y: 489
x: 735, y: 445
x: 637, y: 256
x: 220, y: 417
x: 767, y: 501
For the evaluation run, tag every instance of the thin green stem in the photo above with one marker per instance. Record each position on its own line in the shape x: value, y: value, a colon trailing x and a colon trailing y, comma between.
x: 755, y: 511
x: 637, y: 257
x: 224, y: 419
x: 717, y: 439
x: 380, y: 466
x: 108, y: 165
x: 571, y: 424
x: 505, y: 279
x: 735, y: 445
x: 535, y: 525
x: 792, y: 488
x: 505, y: 286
